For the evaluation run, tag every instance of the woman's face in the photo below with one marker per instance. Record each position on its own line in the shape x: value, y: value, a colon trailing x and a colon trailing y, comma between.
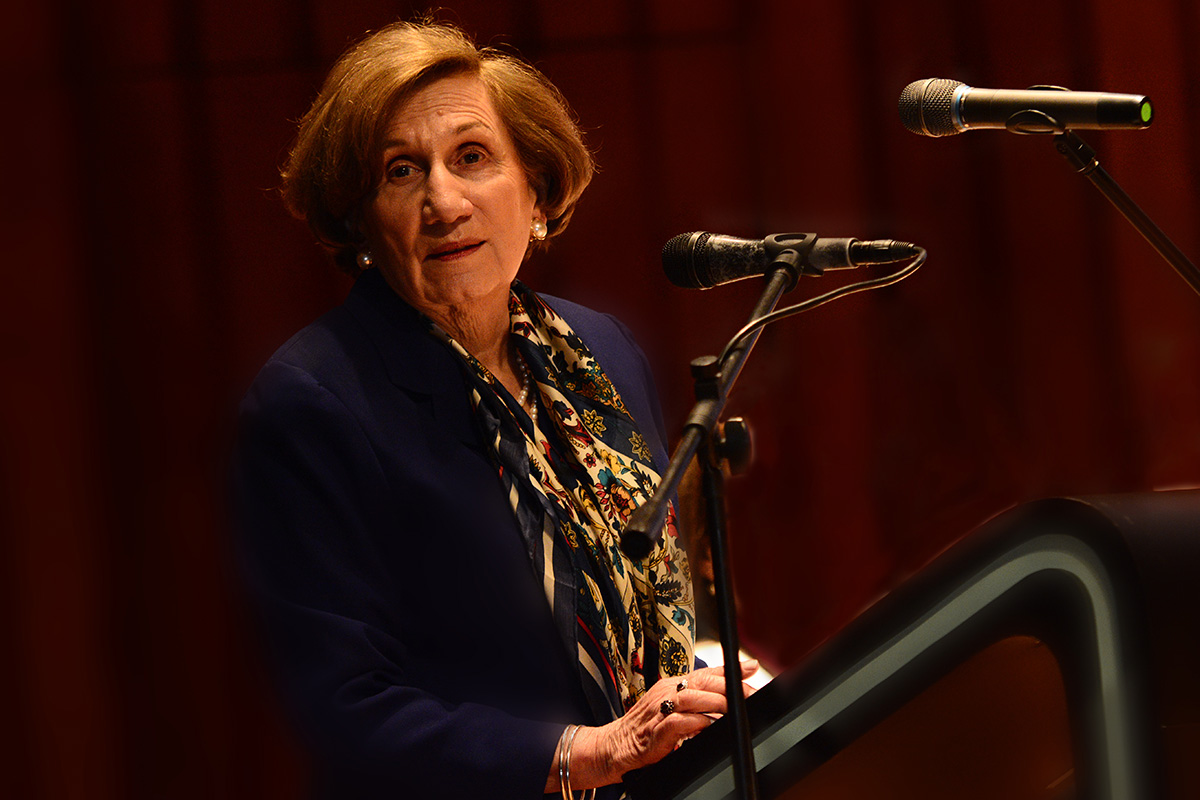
x: 449, y: 224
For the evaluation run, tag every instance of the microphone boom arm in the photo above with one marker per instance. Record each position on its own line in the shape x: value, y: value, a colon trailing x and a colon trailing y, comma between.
x: 714, y: 378
x: 644, y: 524
x: 647, y: 519
x: 1083, y: 158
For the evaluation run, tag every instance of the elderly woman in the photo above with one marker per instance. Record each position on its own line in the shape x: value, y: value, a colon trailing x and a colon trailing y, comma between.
x: 432, y: 477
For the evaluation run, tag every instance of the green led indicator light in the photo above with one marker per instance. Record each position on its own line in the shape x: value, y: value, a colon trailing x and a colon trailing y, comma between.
x: 1146, y: 112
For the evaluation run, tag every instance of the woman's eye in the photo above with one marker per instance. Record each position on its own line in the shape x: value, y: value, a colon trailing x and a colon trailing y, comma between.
x: 472, y: 157
x: 400, y: 170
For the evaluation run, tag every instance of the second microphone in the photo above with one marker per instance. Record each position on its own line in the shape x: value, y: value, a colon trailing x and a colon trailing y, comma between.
x: 701, y: 260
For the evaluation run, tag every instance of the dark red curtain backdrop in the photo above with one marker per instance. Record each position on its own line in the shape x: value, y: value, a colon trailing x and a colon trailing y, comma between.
x: 1043, y: 349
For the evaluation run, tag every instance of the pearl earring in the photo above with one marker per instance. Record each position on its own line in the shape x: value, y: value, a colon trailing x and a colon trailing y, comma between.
x: 364, y: 259
x: 538, y: 229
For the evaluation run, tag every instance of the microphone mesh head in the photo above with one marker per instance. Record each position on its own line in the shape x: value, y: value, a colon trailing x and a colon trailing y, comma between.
x: 925, y: 107
x: 679, y: 259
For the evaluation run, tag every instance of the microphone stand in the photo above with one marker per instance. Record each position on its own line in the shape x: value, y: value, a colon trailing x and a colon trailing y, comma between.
x: 713, y: 381
x: 1083, y: 158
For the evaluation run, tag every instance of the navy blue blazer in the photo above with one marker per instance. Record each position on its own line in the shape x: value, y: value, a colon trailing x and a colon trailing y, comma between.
x: 410, y: 629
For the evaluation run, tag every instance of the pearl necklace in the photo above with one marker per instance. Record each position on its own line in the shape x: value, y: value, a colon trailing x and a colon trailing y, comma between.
x: 526, y: 384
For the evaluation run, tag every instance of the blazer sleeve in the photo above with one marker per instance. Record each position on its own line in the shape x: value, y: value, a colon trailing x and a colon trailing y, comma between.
x: 310, y: 498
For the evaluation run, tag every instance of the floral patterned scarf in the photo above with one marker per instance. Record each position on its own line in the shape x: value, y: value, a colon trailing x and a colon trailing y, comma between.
x: 572, y: 482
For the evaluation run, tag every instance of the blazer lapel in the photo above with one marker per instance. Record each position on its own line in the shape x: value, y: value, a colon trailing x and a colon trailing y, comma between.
x: 415, y: 361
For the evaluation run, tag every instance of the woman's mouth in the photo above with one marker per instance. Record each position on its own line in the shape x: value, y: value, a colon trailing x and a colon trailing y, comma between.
x: 452, y: 251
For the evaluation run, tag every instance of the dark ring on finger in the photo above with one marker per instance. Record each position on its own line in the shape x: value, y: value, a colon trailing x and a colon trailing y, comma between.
x: 683, y: 684
x: 667, y: 707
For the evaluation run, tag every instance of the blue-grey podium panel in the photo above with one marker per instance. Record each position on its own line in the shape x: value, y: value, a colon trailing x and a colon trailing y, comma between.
x: 1107, y: 583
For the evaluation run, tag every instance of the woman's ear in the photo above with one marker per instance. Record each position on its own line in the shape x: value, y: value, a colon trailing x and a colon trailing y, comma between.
x: 356, y: 236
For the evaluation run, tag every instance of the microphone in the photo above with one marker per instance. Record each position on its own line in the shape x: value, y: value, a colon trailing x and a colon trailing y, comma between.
x: 941, y: 107
x: 701, y: 260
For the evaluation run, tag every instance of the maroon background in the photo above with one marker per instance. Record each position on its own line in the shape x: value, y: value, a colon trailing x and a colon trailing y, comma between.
x: 1043, y: 349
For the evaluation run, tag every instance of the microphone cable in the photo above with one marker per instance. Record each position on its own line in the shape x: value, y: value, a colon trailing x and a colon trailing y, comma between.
x: 820, y: 300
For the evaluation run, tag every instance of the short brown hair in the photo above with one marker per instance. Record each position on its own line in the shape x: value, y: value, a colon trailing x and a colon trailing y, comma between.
x: 333, y: 166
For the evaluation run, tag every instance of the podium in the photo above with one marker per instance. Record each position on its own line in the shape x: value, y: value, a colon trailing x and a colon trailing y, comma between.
x: 1053, y: 653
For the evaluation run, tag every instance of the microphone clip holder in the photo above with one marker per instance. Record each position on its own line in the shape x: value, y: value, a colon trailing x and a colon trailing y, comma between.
x: 1031, y: 121
x: 790, y: 251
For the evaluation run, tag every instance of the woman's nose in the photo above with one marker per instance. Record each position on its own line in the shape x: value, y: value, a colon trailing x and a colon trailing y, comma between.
x: 445, y: 198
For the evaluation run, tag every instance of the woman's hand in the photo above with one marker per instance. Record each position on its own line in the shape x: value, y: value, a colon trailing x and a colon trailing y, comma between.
x: 672, y: 711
